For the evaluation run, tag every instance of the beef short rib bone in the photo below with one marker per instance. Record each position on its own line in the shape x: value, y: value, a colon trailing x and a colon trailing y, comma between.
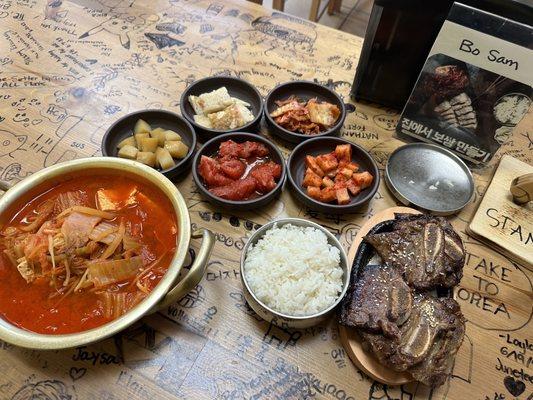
x: 379, y: 301
x: 425, y: 249
x: 427, y: 343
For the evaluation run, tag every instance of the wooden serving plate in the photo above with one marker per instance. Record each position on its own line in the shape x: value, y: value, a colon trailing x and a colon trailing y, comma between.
x: 365, y: 361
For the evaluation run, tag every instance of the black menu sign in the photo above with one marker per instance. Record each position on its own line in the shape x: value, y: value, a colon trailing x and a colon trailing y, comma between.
x: 475, y: 87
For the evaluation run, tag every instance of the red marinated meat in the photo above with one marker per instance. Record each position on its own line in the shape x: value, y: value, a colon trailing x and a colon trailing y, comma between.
x: 229, y: 148
x: 265, y: 175
x: 275, y: 169
x: 237, y: 190
x: 232, y: 167
x: 223, y: 173
x: 249, y: 149
x: 210, y: 170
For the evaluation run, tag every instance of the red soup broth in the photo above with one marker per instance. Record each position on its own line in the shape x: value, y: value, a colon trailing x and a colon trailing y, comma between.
x: 149, y: 220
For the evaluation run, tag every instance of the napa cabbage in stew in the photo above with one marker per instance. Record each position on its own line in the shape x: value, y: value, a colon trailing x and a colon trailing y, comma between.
x: 83, y: 253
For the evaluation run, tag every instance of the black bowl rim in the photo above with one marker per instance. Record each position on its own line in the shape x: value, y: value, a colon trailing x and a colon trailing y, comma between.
x: 249, y: 136
x: 182, y: 162
x: 330, y: 131
x: 336, y: 207
x: 250, y: 124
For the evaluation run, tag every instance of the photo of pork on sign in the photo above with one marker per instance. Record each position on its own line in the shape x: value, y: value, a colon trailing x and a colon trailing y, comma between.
x: 474, y: 87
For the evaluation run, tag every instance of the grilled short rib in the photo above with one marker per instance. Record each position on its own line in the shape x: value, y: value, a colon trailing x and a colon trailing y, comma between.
x: 378, y: 301
x: 425, y: 249
x: 407, y: 327
x: 427, y: 343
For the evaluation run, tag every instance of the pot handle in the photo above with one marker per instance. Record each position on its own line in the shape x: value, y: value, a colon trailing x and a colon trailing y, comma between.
x: 196, y: 273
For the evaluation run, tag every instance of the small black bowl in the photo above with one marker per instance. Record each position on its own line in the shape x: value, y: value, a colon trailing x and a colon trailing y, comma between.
x: 321, y: 145
x: 211, y: 147
x: 237, y: 88
x: 303, y: 90
x: 123, y: 128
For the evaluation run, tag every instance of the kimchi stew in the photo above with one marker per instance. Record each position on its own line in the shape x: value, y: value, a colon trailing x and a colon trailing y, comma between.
x: 84, y: 252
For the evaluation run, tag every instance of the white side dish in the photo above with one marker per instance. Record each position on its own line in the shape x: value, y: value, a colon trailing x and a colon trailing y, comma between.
x: 218, y: 110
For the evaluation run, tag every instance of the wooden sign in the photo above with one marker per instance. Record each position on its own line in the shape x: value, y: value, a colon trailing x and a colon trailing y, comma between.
x: 502, y: 223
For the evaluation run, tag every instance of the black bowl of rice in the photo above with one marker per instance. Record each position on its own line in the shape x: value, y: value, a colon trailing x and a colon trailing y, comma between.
x: 294, y: 273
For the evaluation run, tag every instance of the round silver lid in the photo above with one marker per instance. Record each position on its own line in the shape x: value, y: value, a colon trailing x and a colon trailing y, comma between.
x: 429, y: 177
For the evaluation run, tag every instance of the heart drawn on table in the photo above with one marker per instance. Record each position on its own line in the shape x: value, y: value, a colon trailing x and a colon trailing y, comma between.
x: 514, y: 386
x: 77, y: 373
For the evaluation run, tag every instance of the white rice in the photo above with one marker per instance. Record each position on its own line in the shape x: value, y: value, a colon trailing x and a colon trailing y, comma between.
x: 294, y: 270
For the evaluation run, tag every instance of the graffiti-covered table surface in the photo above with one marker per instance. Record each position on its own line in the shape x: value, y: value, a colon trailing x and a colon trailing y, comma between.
x: 68, y: 69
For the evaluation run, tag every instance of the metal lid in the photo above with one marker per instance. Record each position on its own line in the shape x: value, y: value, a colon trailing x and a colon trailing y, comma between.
x: 430, y: 177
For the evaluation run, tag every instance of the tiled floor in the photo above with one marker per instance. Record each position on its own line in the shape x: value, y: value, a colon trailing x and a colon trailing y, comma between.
x: 353, y: 17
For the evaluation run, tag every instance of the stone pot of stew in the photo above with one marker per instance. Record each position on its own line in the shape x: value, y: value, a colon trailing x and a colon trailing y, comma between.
x: 88, y: 247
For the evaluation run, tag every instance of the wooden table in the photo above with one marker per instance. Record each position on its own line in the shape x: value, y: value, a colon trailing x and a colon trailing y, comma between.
x: 68, y: 69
